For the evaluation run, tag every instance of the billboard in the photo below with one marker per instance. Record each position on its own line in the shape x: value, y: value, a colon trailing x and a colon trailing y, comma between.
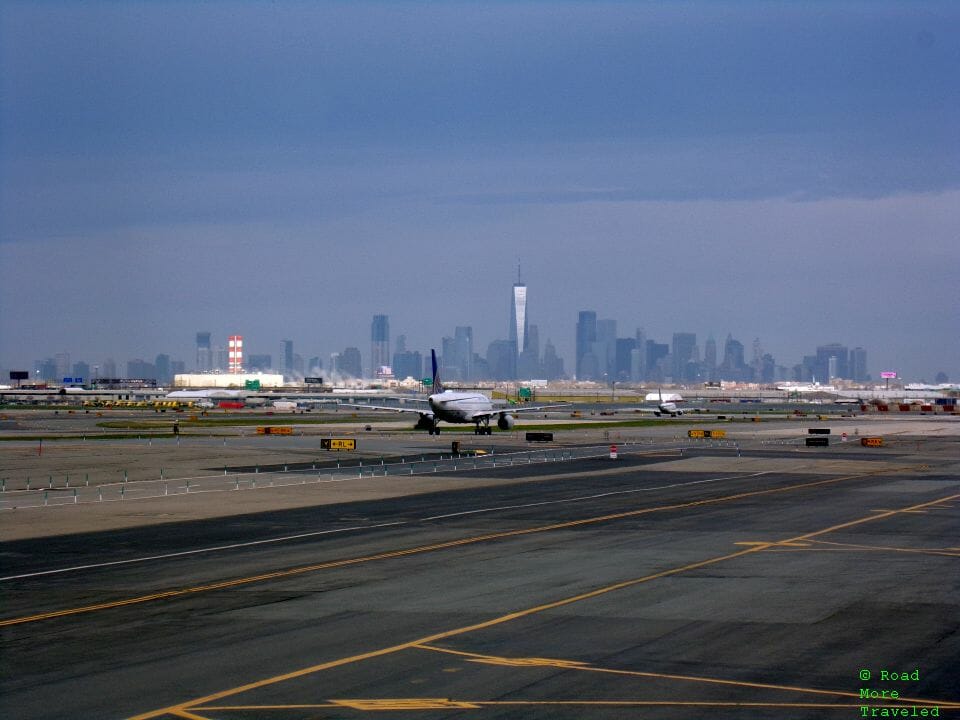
x: 888, y: 374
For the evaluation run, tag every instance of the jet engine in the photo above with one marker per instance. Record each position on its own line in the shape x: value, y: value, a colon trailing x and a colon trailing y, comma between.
x: 425, y: 422
x: 506, y: 422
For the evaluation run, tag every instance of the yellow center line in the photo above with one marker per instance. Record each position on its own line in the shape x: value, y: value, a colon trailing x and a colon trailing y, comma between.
x: 509, y: 617
x: 291, y: 572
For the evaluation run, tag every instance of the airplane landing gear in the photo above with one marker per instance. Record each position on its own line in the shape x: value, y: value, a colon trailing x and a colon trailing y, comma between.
x: 482, y: 430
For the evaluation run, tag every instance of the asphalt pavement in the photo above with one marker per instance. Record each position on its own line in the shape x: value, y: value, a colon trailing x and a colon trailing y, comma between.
x: 654, y: 586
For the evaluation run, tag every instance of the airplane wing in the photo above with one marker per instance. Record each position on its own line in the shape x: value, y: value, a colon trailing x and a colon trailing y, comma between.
x: 510, y: 410
x: 425, y: 411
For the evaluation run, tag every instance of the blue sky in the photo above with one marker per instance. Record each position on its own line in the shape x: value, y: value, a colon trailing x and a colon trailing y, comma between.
x: 788, y: 171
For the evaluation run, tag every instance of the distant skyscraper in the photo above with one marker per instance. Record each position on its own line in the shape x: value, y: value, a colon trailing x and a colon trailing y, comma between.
x: 407, y: 363
x: 379, y: 343
x: 733, y: 366
x: 348, y: 363
x: 710, y: 358
x: 528, y: 365
x: 162, y: 364
x: 501, y: 360
x: 839, y: 368
x: 235, y: 354
x: 518, y: 317
x: 682, y: 350
x: 656, y: 354
x: 552, y: 364
x: 858, y: 364
x: 63, y: 365
x: 605, y: 350
x: 622, y: 368
x: 141, y: 369
x: 463, y: 351
x: 586, y: 337
x: 204, y: 353
x: 286, y: 357
x: 638, y: 367
x: 45, y: 370
x: 259, y: 363
x: 81, y: 370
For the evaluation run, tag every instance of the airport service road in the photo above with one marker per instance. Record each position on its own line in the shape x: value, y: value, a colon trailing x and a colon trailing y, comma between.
x: 647, y: 587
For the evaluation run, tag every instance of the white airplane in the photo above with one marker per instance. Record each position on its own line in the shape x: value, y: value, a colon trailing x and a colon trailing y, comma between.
x: 458, y: 408
x: 666, y: 406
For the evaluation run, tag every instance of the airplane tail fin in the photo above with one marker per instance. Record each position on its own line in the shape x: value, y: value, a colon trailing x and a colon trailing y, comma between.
x: 437, y: 384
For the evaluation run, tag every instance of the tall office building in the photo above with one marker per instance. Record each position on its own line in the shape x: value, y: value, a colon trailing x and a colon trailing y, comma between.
x: 733, y: 366
x: 108, y: 369
x: 605, y: 350
x: 528, y: 364
x: 682, y: 350
x: 501, y: 360
x: 638, y: 366
x: 586, y: 337
x: 518, y: 318
x: 710, y: 358
x: 624, y: 362
x: 348, y: 363
x: 656, y: 354
x: 235, y: 354
x: 81, y: 370
x: 407, y: 363
x: 379, y: 343
x: 204, y: 353
x: 552, y: 365
x: 162, y: 364
x: 259, y: 363
x: 838, y: 368
x: 463, y: 351
x: 286, y: 358
x: 858, y: 364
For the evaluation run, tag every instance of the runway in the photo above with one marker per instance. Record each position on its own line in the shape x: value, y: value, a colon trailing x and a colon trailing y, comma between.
x: 648, y: 586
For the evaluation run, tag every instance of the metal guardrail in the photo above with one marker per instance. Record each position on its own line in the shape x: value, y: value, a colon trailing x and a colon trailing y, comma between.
x: 50, y: 495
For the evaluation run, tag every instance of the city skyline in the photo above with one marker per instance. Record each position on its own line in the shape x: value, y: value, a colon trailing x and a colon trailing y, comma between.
x: 602, y: 354
x: 782, y: 171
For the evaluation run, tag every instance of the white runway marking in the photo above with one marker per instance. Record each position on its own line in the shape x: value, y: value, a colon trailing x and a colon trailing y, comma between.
x: 199, y: 551
x: 234, y: 546
x: 593, y: 497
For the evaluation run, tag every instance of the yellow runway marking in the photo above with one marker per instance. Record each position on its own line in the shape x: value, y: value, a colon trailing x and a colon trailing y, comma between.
x: 586, y: 667
x: 480, y: 704
x: 282, y: 574
x: 509, y: 617
x: 188, y: 715
x: 405, y: 704
x: 838, y: 547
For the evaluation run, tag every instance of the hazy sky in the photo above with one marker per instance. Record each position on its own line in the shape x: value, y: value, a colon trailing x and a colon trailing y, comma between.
x: 781, y: 170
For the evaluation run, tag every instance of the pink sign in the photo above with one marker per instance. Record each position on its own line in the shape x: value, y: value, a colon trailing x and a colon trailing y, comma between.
x: 888, y: 375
